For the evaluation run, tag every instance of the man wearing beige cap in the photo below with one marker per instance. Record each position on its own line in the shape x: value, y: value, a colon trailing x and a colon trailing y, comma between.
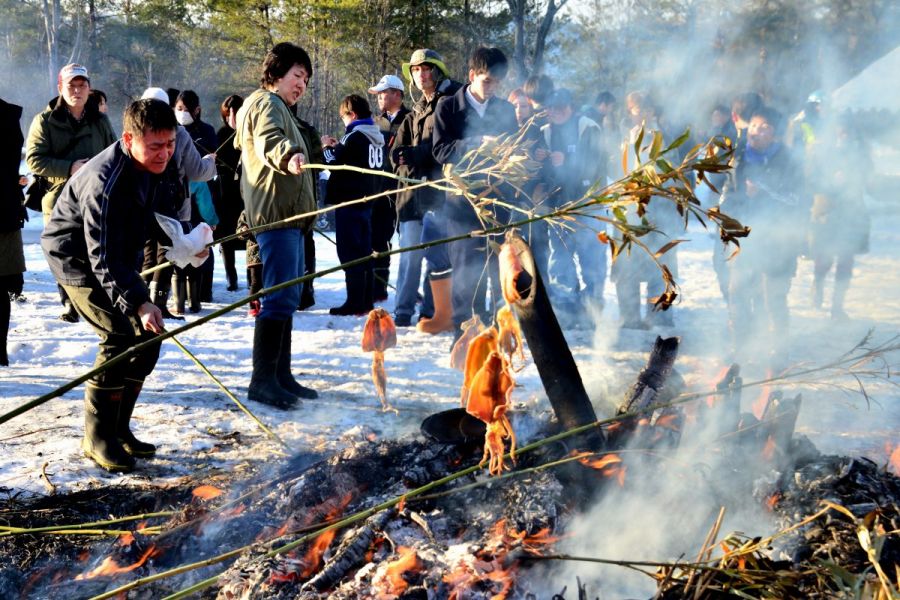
x: 389, y: 91
x: 62, y: 138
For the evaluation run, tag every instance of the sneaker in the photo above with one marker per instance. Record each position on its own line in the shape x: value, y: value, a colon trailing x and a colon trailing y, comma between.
x: 254, y: 309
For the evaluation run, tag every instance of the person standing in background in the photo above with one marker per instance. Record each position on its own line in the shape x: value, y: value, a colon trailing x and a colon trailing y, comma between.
x: 389, y: 91
x: 230, y: 203
x: 275, y: 185
x: 62, y: 138
x: 12, y: 212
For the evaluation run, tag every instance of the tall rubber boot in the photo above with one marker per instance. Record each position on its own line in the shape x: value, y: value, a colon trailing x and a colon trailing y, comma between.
x: 180, y: 297
x: 161, y: 299
x: 193, y: 286
x: 283, y: 369
x: 443, y: 309
x: 267, y: 341
x: 837, y: 302
x: 359, y: 295
x: 100, y: 443
x: 4, y: 326
x: 381, y: 276
x: 131, y: 444
x: 307, y: 296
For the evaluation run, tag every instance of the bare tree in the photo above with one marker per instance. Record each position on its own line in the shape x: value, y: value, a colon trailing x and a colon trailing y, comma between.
x: 519, y: 10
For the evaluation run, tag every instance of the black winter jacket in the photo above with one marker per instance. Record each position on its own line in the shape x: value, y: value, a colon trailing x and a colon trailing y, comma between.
x: 458, y: 129
x: 362, y: 147
x: 100, y: 223
x: 414, y: 140
x: 11, y: 141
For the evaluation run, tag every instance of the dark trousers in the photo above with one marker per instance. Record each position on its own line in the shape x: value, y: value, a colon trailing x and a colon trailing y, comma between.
x: 384, y: 223
x: 154, y: 254
x: 474, y: 264
x: 353, y: 230
x: 118, y: 332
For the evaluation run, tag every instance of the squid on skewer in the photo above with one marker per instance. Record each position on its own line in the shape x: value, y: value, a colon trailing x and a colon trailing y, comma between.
x: 478, y: 351
x: 488, y: 400
x: 470, y: 329
x: 510, y: 335
x: 379, y: 334
x: 510, y: 269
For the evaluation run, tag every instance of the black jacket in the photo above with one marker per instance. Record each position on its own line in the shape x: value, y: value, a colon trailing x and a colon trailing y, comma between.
x: 11, y: 142
x: 414, y: 141
x: 458, y: 129
x: 100, y: 223
x: 362, y: 147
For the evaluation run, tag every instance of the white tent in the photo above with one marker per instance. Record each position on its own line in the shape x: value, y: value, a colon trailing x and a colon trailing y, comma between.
x: 877, y: 87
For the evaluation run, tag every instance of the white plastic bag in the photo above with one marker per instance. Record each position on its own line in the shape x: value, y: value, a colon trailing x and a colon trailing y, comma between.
x: 185, y: 247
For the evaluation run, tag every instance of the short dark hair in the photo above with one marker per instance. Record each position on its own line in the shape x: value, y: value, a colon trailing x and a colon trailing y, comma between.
x: 231, y: 102
x: 356, y: 104
x: 744, y: 105
x: 605, y: 97
x: 98, y: 94
x: 282, y: 59
x: 146, y: 115
x: 489, y: 60
x: 538, y: 88
x: 770, y: 116
x: 172, y: 93
x: 190, y: 99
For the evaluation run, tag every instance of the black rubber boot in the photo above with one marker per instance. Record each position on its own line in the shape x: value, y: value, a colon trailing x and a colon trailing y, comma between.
x: 161, y: 299
x: 283, y: 369
x: 359, y: 295
x: 380, y: 284
x: 267, y: 341
x: 100, y: 443
x: 194, y: 295
x: 69, y: 315
x: 131, y: 444
x: 180, y: 297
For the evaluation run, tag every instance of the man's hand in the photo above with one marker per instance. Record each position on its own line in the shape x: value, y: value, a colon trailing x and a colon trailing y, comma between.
x: 77, y: 165
x: 295, y: 165
x: 540, y: 154
x: 328, y: 140
x: 557, y: 159
x: 211, y: 155
x: 151, y: 317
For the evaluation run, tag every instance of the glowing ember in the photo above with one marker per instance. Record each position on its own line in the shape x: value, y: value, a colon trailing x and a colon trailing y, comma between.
x: 408, y: 561
x: 669, y: 421
x: 207, y: 492
x: 110, y: 567
x: 602, y: 462
x: 768, y: 452
x: 772, y: 501
x: 759, y: 405
x: 126, y: 539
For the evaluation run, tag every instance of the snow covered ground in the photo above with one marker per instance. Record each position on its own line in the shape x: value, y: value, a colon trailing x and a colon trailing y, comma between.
x: 199, y: 430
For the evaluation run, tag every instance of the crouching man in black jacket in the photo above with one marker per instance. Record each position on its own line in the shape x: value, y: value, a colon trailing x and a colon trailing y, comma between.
x: 362, y: 146
x: 94, y: 244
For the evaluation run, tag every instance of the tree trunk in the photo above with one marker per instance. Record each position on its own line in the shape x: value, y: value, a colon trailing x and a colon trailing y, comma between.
x: 517, y: 8
x: 51, y: 13
x: 540, y: 42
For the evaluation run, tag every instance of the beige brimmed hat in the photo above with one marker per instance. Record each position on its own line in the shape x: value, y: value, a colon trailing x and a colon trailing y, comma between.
x: 423, y: 56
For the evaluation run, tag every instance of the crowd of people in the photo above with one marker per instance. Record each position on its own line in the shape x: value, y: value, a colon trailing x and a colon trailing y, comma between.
x: 99, y: 196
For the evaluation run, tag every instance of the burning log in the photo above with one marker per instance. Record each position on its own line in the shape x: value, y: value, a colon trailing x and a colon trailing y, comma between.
x: 649, y: 389
x: 524, y: 289
x: 350, y: 554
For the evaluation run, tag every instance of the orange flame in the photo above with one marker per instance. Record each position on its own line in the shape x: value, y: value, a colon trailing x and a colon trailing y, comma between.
x: 894, y: 460
x: 126, y: 539
x: 313, y: 557
x: 768, y: 452
x: 669, y: 421
x: 713, y: 399
x: 408, y: 561
x: 773, y: 500
x: 207, y: 492
x: 110, y: 567
x: 759, y: 405
x: 602, y: 462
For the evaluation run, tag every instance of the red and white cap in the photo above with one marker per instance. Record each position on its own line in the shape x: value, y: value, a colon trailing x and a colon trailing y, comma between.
x: 72, y: 71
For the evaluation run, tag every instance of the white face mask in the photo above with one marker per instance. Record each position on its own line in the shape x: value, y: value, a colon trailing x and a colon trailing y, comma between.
x: 184, y: 117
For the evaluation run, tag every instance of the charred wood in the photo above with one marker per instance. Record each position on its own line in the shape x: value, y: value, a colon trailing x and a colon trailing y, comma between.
x: 552, y: 357
x: 350, y: 554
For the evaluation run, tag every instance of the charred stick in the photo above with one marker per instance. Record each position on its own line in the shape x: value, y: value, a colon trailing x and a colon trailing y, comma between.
x: 350, y: 553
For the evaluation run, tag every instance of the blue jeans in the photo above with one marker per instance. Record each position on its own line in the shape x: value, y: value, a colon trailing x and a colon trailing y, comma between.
x: 282, y: 259
x: 434, y: 227
x: 410, y: 275
x: 475, y: 266
x: 591, y: 253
